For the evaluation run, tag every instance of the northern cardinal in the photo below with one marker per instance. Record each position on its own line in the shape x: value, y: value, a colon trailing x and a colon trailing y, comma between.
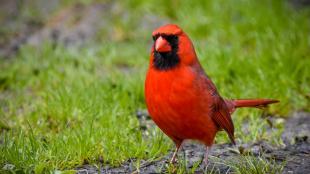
x: 181, y: 98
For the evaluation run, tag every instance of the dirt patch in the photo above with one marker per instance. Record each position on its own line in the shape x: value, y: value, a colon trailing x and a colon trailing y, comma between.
x: 297, y: 159
x: 19, y: 20
x: 77, y: 25
x: 300, y: 3
x: 295, y: 155
x: 297, y: 128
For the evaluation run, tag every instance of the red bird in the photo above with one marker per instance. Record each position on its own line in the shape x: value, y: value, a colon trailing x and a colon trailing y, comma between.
x: 181, y: 98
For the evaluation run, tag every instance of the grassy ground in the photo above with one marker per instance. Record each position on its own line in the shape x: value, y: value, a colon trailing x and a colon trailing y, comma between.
x: 65, y: 107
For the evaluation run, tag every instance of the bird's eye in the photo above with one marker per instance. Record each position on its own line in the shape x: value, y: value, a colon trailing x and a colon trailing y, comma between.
x: 155, y: 37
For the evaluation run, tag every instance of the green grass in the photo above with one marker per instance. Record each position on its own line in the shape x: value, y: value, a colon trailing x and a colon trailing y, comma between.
x: 257, y: 165
x: 237, y: 165
x: 60, y: 108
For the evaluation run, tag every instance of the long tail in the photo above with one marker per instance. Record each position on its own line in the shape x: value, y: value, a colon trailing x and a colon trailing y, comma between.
x: 253, y: 103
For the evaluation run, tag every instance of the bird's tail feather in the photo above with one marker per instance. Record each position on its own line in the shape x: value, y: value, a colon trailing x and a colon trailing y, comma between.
x: 254, y: 103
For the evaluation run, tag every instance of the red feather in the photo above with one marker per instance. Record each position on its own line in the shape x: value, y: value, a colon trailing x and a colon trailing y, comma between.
x: 181, y: 99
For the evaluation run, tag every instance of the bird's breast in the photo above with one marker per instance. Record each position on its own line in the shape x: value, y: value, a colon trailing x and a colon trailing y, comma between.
x: 167, y: 90
x: 176, y: 103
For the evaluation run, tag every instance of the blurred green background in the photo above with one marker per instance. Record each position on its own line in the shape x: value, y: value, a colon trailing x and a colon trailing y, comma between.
x: 72, y: 74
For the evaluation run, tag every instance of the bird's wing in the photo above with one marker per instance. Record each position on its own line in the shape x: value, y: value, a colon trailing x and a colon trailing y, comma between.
x: 222, y: 117
x: 220, y: 113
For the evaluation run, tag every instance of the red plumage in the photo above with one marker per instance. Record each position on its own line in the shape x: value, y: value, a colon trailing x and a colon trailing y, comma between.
x: 180, y: 97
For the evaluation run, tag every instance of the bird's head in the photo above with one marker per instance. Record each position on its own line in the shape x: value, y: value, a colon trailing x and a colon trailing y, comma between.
x: 171, y: 48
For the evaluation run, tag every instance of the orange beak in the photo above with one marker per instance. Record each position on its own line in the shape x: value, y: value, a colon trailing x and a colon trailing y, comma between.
x: 162, y: 45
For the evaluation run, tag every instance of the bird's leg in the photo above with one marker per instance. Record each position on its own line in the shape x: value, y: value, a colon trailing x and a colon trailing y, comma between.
x: 172, y: 161
x: 207, y: 155
x: 178, y: 145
